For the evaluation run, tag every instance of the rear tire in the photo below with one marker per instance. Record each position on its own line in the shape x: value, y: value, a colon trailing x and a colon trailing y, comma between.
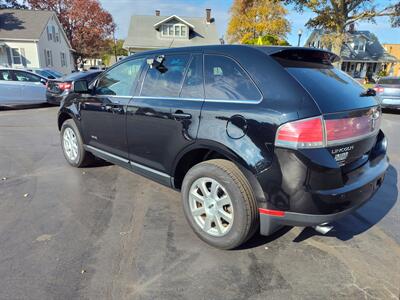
x: 72, y: 146
x: 219, y: 203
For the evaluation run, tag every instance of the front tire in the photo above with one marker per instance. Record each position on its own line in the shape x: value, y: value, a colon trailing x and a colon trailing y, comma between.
x: 219, y: 203
x: 72, y: 145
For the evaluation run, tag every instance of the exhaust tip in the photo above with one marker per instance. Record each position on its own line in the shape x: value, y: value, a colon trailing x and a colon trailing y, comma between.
x: 323, y: 228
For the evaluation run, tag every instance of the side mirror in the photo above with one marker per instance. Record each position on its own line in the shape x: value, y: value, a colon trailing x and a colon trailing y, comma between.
x: 43, y: 81
x: 157, y: 63
x: 81, y: 86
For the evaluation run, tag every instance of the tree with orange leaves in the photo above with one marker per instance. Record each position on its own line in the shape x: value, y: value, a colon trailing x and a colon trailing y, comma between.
x: 251, y: 19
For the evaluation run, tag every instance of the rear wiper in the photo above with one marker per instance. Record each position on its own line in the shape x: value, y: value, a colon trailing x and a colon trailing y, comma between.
x: 369, y: 92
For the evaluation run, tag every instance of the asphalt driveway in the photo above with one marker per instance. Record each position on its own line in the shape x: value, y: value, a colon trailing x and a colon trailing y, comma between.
x: 106, y: 233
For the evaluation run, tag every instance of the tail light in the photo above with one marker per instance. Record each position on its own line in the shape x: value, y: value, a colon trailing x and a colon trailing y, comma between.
x: 320, y: 132
x: 306, y: 133
x: 379, y: 89
x: 63, y: 86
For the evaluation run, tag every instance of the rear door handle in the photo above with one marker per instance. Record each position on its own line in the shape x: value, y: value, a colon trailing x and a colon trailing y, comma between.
x: 179, y: 115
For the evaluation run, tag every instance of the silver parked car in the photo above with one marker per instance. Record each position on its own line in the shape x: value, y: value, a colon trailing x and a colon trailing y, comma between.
x: 388, y: 90
x: 19, y: 87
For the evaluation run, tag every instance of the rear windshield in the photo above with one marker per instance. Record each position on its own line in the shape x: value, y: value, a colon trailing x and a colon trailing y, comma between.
x: 395, y: 81
x: 331, y: 88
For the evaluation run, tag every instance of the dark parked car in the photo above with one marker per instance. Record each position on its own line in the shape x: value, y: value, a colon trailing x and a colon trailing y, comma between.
x: 254, y: 137
x: 388, y: 90
x: 61, y: 88
x: 47, y: 73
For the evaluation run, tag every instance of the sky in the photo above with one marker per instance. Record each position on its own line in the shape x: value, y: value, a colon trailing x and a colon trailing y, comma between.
x: 122, y: 10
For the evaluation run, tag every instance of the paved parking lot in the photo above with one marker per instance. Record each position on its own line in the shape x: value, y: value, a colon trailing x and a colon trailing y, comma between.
x: 105, y: 233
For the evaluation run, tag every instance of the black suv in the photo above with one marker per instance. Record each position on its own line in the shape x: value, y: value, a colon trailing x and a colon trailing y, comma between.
x: 253, y: 137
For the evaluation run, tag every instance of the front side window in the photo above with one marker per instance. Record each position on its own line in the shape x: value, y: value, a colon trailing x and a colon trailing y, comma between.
x: 120, y: 81
x: 5, y: 75
x: 193, y: 84
x: 166, y: 81
x: 226, y: 80
x: 25, y: 76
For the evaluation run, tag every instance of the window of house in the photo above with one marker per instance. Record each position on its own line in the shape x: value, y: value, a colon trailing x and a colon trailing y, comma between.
x: 120, y: 81
x: 193, y: 84
x: 16, y: 56
x: 25, y: 76
x: 53, y: 31
x: 63, y: 59
x: 48, y: 56
x: 173, y: 30
x: 169, y: 80
x: 57, y: 37
x: 226, y: 80
x: 49, y: 33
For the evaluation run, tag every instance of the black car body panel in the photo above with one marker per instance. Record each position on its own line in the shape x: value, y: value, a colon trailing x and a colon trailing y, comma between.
x: 152, y: 134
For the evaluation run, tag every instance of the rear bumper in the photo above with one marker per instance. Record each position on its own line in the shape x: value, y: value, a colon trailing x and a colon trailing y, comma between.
x: 301, y: 205
x: 53, y: 99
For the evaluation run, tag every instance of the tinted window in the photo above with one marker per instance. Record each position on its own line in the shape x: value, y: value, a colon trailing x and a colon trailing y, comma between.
x: 331, y: 88
x: 193, y: 84
x: 166, y: 81
x: 226, y: 80
x: 120, y: 80
x: 25, y: 76
x: 5, y: 75
x: 395, y: 81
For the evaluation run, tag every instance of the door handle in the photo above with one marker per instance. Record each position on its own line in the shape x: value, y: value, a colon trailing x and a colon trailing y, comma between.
x: 180, y: 115
x: 114, y: 108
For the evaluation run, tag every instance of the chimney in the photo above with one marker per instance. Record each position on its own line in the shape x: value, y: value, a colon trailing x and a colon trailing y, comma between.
x: 157, y: 13
x: 208, y: 15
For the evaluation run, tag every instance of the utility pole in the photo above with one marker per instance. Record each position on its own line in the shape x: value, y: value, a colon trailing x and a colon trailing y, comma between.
x: 115, y: 46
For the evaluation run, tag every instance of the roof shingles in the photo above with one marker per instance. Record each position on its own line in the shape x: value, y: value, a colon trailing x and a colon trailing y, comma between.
x: 19, y: 24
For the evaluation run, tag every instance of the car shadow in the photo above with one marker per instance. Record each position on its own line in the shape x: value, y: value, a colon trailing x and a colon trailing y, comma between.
x: 23, y: 107
x: 259, y: 240
x: 391, y: 111
x: 366, y: 216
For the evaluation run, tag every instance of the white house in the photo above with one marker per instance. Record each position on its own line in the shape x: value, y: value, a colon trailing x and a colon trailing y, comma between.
x: 34, y: 39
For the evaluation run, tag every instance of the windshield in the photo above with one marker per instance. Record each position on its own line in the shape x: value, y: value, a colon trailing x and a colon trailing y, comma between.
x: 54, y: 73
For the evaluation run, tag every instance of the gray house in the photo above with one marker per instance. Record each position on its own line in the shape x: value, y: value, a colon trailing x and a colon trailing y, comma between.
x: 154, y: 32
x: 362, y: 54
x: 34, y: 39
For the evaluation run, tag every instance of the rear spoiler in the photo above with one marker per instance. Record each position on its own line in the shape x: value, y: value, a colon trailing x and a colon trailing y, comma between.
x: 301, y: 54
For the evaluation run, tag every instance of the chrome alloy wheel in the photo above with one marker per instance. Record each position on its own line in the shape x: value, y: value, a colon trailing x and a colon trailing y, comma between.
x: 70, y: 144
x: 210, y: 206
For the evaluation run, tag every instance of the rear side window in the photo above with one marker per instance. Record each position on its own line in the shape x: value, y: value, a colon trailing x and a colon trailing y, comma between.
x: 394, y: 81
x: 226, y: 80
x: 119, y: 81
x: 5, y: 75
x: 193, y: 84
x: 166, y: 82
